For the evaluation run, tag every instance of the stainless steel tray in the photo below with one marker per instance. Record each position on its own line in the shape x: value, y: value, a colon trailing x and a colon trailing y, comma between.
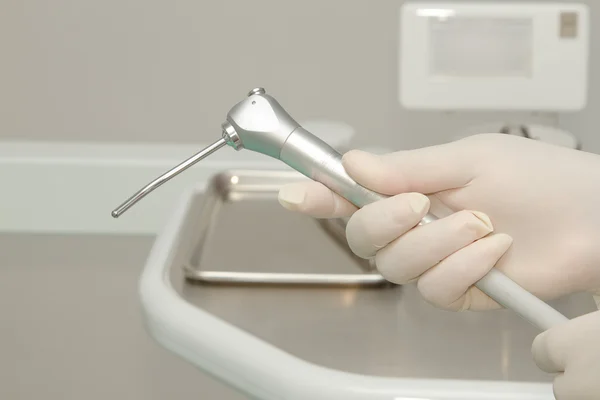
x: 240, y: 207
x: 315, y: 341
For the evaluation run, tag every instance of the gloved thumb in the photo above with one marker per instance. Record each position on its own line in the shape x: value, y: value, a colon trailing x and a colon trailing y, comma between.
x: 426, y: 170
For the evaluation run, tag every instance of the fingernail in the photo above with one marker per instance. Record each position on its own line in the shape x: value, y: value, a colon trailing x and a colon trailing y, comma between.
x: 353, y: 153
x: 504, y: 239
x: 291, y: 196
x: 358, y: 157
x: 418, y: 203
x: 483, y: 218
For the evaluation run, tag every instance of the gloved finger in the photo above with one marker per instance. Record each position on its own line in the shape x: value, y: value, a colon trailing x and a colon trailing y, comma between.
x: 376, y: 225
x: 562, y: 387
x: 570, y: 385
x: 426, y: 170
x: 475, y: 300
x: 314, y: 199
x: 551, y: 349
x: 447, y: 284
x: 425, y: 246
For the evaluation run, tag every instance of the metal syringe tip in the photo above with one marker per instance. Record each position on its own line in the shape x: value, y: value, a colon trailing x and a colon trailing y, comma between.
x: 167, y: 176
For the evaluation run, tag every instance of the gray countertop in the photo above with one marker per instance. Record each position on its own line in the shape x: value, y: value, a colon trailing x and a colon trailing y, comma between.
x: 71, y: 327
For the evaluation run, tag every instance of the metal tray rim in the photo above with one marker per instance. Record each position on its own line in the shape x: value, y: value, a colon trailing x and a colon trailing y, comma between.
x: 224, y: 186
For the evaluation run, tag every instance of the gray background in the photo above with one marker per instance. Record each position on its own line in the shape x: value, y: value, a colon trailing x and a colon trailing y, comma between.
x: 168, y: 71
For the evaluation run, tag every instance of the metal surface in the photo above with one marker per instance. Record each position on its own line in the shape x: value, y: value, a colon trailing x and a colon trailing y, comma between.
x: 256, y: 91
x: 167, y: 176
x: 249, y: 191
x: 315, y: 159
x: 287, y: 278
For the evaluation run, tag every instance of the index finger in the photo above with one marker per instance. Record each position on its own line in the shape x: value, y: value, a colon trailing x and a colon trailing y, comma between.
x: 314, y: 199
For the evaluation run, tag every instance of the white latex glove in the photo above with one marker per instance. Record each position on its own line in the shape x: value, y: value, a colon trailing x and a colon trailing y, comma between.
x: 546, y: 198
x: 572, y: 351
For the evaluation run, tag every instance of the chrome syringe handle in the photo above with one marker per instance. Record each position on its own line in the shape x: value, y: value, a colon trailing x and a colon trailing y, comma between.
x: 315, y: 159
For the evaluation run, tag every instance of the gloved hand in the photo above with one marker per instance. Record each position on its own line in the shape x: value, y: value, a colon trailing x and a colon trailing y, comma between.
x: 544, y: 199
x: 572, y: 351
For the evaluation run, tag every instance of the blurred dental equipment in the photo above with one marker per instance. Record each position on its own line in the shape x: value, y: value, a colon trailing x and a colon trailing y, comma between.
x: 494, y: 56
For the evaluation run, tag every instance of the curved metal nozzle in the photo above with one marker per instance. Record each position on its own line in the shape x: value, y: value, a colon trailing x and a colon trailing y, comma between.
x: 167, y: 176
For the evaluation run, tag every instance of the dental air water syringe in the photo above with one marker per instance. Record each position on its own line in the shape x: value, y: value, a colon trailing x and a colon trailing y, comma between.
x: 259, y: 123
